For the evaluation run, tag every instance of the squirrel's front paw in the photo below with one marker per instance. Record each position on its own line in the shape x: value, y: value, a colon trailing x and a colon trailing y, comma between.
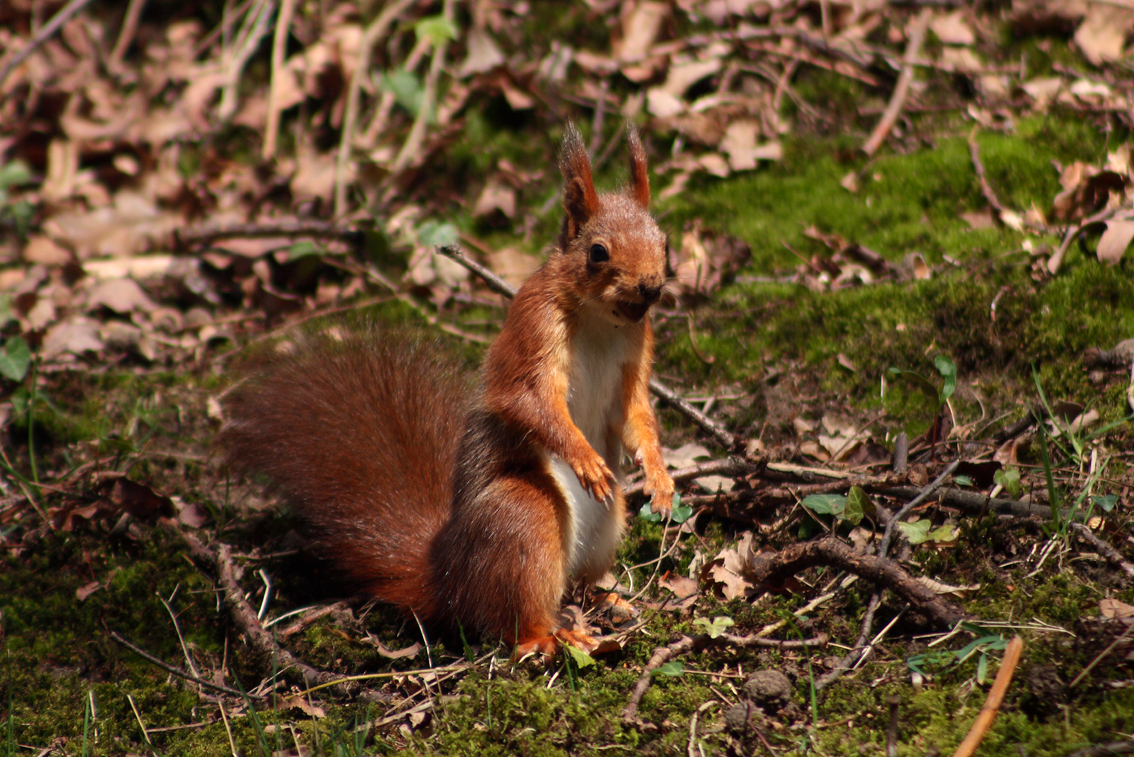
x: 660, y: 486
x: 595, y: 477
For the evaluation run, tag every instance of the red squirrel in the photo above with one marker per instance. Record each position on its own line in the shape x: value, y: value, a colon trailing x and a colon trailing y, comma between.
x: 478, y: 508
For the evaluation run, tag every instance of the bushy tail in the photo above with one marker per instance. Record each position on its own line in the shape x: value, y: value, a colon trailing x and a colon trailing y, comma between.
x: 359, y: 431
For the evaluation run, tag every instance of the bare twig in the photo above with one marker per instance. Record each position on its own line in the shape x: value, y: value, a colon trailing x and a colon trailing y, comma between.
x: 923, y: 495
x: 412, y: 146
x: 1105, y: 750
x: 1112, y: 555
x: 498, y: 285
x: 978, y: 166
x: 63, y: 16
x: 175, y: 670
x: 126, y: 33
x: 279, y: 42
x: 770, y: 568
x: 902, y: 88
x: 994, y: 699
x: 370, y: 38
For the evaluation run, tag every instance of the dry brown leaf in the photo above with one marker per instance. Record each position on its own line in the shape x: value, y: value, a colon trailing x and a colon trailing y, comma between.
x: 83, y: 592
x: 123, y: 296
x: 681, y: 586
x: 42, y: 249
x: 512, y: 265
x: 641, y: 23
x: 483, y: 54
x: 73, y: 337
x: 496, y: 196
x: 952, y: 29
x: 1102, y: 35
x: 1113, y: 608
x: 1114, y: 241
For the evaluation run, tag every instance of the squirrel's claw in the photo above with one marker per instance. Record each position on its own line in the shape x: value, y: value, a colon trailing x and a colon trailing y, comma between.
x: 660, y: 489
x: 596, y: 478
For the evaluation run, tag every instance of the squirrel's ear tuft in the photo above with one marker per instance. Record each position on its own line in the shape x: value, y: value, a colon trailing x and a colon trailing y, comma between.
x: 580, y: 201
x: 639, y: 177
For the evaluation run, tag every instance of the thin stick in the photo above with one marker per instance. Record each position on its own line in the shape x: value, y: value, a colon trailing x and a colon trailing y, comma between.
x: 174, y: 670
x: 730, y: 466
x: 978, y: 166
x: 370, y: 38
x: 412, y: 145
x: 995, y: 698
x: 44, y: 34
x: 180, y: 638
x: 279, y: 42
x: 126, y: 33
x: 924, y: 495
x: 1112, y: 555
x: 901, y: 90
x: 138, y: 716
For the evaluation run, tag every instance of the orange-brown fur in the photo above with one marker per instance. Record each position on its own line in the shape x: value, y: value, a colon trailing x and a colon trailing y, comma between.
x: 447, y: 503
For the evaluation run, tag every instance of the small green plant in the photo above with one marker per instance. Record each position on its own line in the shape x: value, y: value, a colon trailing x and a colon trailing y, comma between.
x: 938, y: 395
x: 680, y: 513
x: 19, y: 213
x: 942, y: 659
x: 716, y: 627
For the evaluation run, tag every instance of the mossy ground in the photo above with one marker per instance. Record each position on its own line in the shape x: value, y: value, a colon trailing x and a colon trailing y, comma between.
x: 64, y: 682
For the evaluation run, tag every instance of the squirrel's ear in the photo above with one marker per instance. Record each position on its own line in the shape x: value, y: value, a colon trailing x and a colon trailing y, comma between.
x: 580, y: 201
x: 639, y: 178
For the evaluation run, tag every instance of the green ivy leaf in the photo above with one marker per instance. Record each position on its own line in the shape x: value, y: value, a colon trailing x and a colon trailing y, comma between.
x: 946, y: 533
x: 14, y: 173
x: 649, y: 515
x: 825, y: 504
x: 716, y: 627
x: 673, y: 669
x: 857, y: 506
x: 962, y: 480
x: 302, y: 249
x: 579, y: 657
x: 920, y: 382
x: 916, y: 532
x: 15, y: 359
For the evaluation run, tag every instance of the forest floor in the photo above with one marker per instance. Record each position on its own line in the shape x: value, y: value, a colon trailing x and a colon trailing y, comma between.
x: 900, y: 327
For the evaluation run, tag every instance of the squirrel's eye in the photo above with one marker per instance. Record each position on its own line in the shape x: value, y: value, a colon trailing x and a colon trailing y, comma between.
x: 599, y: 254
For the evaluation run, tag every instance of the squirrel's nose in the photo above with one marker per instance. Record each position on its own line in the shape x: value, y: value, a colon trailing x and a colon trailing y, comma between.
x: 650, y: 294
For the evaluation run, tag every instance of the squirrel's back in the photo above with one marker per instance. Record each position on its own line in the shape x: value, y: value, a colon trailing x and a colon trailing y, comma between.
x: 331, y: 421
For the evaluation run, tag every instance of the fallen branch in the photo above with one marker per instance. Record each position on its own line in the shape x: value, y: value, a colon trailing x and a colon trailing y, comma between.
x: 994, y: 699
x: 725, y: 437
x: 902, y: 88
x: 921, y: 496
x: 773, y: 567
x: 977, y: 503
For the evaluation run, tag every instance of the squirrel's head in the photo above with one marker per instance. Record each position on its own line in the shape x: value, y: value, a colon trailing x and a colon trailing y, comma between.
x: 610, y: 241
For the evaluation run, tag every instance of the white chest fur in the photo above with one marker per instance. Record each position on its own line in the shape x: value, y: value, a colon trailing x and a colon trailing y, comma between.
x: 594, y: 398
